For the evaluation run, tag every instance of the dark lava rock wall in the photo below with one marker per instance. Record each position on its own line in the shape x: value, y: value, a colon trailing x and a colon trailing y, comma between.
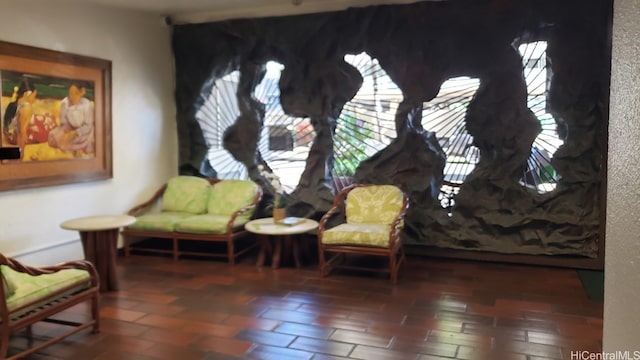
x: 420, y: 46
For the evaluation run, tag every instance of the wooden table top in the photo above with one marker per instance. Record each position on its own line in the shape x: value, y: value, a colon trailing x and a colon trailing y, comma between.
x: 266, y: 226
x: 98, y: 222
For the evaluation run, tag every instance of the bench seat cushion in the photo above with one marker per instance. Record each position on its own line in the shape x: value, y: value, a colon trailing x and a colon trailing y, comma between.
x: 358, y: 235
x: 164, y: 221
x: 208, y: 224
x: 31, y: 288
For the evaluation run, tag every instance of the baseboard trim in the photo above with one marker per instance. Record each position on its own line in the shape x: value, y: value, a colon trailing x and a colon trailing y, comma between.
x: 51, y: 253
x: 571, y: 262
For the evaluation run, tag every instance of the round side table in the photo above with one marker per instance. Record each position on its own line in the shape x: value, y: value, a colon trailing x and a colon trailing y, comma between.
x: 281, y: 233
x: 99, y: 236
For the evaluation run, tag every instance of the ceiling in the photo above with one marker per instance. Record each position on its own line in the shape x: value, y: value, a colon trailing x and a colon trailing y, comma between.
x: 195, y: 11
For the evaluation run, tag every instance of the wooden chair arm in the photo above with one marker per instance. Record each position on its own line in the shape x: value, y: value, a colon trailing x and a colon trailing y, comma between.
x: 41, y: 270
x: 337, y: 206
x: 326, y: 217
x: 243, y: 210
x: 141, y: 207
x: 235, y: 215
x: 398, y: 223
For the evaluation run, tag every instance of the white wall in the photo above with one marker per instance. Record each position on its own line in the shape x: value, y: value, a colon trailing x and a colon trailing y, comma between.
x: 143, y: 121
x: 622, y: 253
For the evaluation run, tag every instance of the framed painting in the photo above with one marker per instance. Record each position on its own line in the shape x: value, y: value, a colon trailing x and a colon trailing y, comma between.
x: 56, y: 111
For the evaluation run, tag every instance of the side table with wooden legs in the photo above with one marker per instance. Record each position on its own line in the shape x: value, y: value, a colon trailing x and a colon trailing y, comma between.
x: 99, y: 236
x: 281, y: 235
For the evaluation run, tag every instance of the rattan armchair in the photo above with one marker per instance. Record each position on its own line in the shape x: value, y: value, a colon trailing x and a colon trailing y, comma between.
x: 34, y: 294
x: 373, y: 222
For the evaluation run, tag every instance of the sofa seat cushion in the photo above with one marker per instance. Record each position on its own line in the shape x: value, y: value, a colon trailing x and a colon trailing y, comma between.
x: 358, y: 235
x: 164, y: 221
x: 208, y: 224
x: 31, y: 289
x: 188, y: 194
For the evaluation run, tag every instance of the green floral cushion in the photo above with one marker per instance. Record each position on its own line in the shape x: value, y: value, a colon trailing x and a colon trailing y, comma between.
x: 32, y: 288
x: 163, y: 221
x: 8, y: 290
x: 229, y: 196
x: 358, y: 234
x: 379, y: 204
x: 207, y: 224
x: 8, y: 285
x: 187, y: 194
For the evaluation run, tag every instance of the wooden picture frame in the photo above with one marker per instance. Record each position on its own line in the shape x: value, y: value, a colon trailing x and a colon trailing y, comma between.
x: 56, y: 108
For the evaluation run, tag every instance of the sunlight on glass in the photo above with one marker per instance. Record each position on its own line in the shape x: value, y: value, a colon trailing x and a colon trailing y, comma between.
x: 367, y: 122
x: 445, y: 115
x: 540, y: 174
x: 285, y: 140
x: 219, y: 111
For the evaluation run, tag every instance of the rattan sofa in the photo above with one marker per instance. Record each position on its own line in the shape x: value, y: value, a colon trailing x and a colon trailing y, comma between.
x: 189, y: 208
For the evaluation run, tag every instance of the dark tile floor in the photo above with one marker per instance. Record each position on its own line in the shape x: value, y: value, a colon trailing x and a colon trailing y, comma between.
x: 440, y: 309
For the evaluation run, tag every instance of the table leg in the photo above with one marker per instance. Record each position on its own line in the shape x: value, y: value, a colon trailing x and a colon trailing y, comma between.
x: 100, y: 248
x: 265, y: 249
x: 295, y: 248
x: 277, y: 252
x: 305, y: 246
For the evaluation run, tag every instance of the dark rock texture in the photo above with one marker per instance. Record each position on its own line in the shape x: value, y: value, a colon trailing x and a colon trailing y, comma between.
x: 420, y: 46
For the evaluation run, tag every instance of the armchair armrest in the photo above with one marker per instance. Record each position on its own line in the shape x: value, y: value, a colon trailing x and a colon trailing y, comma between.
x: 336, y: 207
x: 398, y: 222
x: 326, y: 217
x: 41, y: 270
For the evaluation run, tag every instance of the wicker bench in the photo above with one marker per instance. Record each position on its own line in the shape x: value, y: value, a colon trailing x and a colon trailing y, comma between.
x: 189, y: 208
x: 34, y: 294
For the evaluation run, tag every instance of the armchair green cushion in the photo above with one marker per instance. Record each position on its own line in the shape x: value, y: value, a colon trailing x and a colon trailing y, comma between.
x: 379, y: 204
x: 188, y: 194
x: 7, y: 283
x: 358, y: 234
x: 31, y: 288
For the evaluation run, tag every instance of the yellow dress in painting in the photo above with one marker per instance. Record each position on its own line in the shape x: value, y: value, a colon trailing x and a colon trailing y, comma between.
x: 44, y: 152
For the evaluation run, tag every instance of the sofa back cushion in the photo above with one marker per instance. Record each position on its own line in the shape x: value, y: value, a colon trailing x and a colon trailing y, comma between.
x: 229, y: 196
x: 375, y: 204
x: 188, y: 194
